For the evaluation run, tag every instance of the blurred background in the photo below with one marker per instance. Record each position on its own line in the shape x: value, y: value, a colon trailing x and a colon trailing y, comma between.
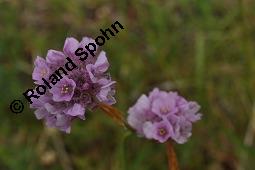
x: 202, y: 49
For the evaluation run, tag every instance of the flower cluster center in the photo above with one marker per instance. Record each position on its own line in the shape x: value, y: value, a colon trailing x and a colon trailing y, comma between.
x: 44, y: 72
x: 162, y: 131
x: 164, y: 110
x: 65, y: 89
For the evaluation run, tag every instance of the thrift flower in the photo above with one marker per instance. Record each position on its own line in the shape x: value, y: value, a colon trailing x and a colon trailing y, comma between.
x: 41, y: 70
x: 63, y: 90
x: 68, y: 99
x: 163, y: 115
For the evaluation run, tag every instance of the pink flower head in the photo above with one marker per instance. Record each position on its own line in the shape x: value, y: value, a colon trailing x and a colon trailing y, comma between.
x: 71, y: 94
x: 163, y: 115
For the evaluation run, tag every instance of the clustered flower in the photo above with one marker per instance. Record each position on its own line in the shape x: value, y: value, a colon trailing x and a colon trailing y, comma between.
x: 163, y: 115
x: 81, y: 89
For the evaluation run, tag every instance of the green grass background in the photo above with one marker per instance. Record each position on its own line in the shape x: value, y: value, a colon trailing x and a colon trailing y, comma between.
x: 204, y: 49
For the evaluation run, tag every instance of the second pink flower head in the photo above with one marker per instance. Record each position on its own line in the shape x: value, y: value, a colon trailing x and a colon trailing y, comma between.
x: 163, y: 115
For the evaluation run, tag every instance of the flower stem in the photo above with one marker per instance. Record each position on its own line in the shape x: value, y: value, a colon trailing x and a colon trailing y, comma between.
x: 115, y: 114
x: 171, y: 156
